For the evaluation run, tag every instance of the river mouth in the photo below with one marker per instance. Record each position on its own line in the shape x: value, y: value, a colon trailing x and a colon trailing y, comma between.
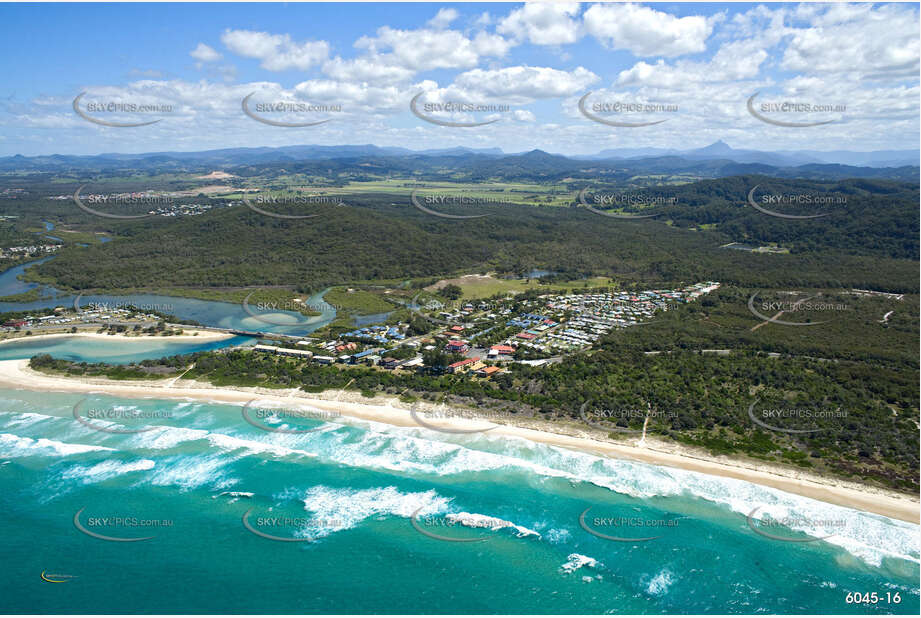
x: 206, y: 313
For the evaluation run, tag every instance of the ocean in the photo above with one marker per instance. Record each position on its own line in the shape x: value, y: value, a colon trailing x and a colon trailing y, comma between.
x: 287, y: 510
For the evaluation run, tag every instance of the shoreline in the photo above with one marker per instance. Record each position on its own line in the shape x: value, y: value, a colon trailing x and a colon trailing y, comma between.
x: 389, y: 410
x: 203, y: 334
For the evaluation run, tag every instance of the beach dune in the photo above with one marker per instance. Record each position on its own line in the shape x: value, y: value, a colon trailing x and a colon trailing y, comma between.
x: 18, y: 375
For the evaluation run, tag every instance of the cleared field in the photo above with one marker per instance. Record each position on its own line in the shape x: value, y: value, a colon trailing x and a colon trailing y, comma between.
x: 484, y: 286
x: 519, y: 193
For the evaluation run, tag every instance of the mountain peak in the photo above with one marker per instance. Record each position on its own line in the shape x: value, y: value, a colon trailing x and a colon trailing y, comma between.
x: 717, y: 147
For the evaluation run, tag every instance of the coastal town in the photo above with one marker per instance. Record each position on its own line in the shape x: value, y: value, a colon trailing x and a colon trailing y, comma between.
x: 480, y: 339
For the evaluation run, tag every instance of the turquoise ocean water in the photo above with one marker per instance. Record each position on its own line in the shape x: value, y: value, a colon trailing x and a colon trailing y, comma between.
x: 381, y: 520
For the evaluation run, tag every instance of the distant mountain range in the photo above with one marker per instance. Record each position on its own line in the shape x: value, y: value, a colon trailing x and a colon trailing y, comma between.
x: 722, y: 150
x: 715, y: 160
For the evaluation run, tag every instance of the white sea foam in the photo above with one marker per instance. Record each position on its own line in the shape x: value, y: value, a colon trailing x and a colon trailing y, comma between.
x: 166, y: 437
x: 18, y: 446
x: 867, y: 536
x: 574, y: 562
x: 105, y: 470
x: 659, y: 584
x: 418, y: 451
x: 187, y: 472
x: 337, y: 509
x: 234, y: 495
x: 475, y: 520
x: 26, y: 419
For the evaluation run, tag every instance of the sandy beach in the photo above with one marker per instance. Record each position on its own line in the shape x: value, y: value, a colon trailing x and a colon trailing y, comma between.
x: 17, y: 374
x: 193, y: 334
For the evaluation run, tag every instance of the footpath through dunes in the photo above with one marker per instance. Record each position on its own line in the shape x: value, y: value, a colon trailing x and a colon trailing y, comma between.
x: 17, y: 374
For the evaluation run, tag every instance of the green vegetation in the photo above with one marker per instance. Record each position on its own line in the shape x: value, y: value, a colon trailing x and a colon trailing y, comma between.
x: 357, y: 301
x: 145, y: 370
x: 380, y: 251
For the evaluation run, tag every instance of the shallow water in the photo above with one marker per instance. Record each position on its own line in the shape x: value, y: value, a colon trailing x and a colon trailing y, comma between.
x: 351, y: 488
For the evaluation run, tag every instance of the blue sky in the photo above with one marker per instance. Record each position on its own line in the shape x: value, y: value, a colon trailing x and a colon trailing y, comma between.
x: 692, y: 65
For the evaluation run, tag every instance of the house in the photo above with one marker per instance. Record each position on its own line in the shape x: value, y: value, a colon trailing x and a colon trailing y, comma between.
x: 297, y: 353
x: 488, y: 372
x: 324, y: 360
x: 363, y: 356
x: 526, y: 336
x: 390, y: 362
x: 457, y: 346
x: 463, y: 366
x: 501, y: 350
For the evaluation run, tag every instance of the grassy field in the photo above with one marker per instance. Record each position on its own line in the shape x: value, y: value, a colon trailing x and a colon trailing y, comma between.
x: 478, y: 286
x: 361, y: 302
x: 519, y: 193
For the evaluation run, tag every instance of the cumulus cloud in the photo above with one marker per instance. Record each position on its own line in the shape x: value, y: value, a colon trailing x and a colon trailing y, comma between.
x: 860, y: 39
x: 525, y: 83
x: 204, y: 53
x: 443, y: 18
x: 647, y: 32
x: 425, y: 49
x: 544, y: 23
x: 277, y: 52
x: 372, y: 68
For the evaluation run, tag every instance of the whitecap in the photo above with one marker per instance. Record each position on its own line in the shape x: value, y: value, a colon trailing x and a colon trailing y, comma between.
x: 19, y: 446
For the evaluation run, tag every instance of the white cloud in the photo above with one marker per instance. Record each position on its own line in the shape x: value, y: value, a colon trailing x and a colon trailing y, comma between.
x: 278, y: 52
x: 524, y: 115
x: 543, y: 23
x: 861, y: 39
x: 525, y: 83
x: 443, y: 18
x: 493, y: 45
x: 372, y: 68
x: 204, y: 53
x: 424, y: 50
x: 647, y: 32
x: 485, y: 19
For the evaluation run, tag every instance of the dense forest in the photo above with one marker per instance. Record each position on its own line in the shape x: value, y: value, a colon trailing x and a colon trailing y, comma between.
x: 868, y: 244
